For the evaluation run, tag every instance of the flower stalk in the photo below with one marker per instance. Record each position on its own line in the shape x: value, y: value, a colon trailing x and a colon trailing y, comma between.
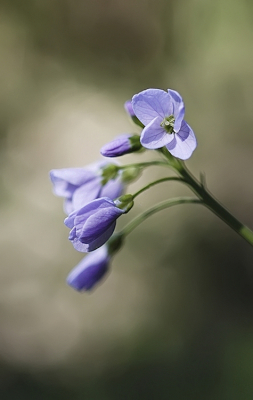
x: 211, y: 203
x: 156, y: 208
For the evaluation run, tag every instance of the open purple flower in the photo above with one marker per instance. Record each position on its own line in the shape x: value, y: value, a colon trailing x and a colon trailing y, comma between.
x: 90, y: 270
x: 79, y: 186
x: 92, y: 225
x: 162, y: 114
x: 123, y: 144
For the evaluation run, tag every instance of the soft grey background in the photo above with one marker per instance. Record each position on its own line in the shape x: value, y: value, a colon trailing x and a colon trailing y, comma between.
x: 174, y: 317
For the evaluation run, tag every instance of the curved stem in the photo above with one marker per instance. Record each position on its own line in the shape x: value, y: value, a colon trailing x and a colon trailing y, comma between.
x: 214, y: 205
x: 170, y: 178
x: 158, y: 207
x: 144, y: 164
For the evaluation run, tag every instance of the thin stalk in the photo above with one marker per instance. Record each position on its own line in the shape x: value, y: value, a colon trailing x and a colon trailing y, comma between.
x: 158, y: 207
x: 170, y: 178
x: 144, y: 164
x: 212, y: 204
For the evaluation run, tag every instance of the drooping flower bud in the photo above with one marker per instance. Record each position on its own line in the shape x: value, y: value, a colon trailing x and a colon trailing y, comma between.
x: 90, y: 270
x: 92, y: 225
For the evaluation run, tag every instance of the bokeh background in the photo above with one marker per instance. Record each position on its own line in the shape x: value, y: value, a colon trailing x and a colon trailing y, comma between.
x: 174, y: 318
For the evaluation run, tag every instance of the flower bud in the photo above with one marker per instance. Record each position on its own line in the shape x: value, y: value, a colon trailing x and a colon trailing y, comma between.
x: 130, y: 111
x: 121, y: 145
x: 90, y: 270
x: 129, y: 174
x: 124, y: 203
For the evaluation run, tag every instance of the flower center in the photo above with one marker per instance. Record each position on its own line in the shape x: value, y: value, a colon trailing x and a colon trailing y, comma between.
x: 168, y: 124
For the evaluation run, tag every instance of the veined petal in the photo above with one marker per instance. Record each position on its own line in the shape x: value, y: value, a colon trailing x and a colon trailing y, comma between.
x: 184, y: 143
x: 178, y: 108
x: 152, y: 103
x: 95, y: 244
x: 97, y: 223
x: 102, y: 239
x: 154, y: 136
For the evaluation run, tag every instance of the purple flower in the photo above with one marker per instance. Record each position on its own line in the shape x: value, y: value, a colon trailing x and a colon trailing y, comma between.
x: 92, y: 225
x: 123, y: 144
x: 162, y: 114
x: 90, y: 270
x: 79, y: 186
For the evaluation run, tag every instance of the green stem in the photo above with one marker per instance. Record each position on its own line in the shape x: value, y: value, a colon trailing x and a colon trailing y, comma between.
x: 144, y: 164
x: 158, y: 207
x: 214, y: 205
x: 170, y: 178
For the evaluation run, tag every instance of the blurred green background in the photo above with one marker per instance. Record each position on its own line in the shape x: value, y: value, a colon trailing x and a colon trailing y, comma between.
x: 174, y: 318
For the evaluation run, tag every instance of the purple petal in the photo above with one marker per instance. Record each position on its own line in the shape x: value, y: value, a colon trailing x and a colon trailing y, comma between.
x: 93, y: 219
x: 112, y: 189
x: 90, y: 270
x: 184, y: 143
x: 178, y: 109
x: 95, y: 244
x: 117, y: 147
x: 68, y: 207
x: 70, y: 220
x: 152, y: 103
x: 129, y: 108
x: 79, y: 246
x: 97, y: 223
x: 102, y: 239
x: 154, y: 136
x: 86, y: 193
x: 66, y: 180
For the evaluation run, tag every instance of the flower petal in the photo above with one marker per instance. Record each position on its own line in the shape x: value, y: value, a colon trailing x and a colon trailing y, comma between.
x: 178, y: 109
x: 93, y: 219
x: 95, y: 244
x: 154, y: 136
x: 86, y: 193
x: 97, y: 223
x: 152, y: 103
x: 66, y: 180
x: 184, y: 143
x: 102, y: 239
x: 129, y: 108
x: 90, y: 270
x: 112, y: 189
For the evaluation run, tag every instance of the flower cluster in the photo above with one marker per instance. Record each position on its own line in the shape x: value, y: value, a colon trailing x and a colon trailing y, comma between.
x: 94, y: 195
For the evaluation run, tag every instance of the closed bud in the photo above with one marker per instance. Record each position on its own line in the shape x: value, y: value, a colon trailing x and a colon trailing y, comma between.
x: 129, y: 109
x: 123, y: 144
x: 124, y: 203
x: 129, y: 174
